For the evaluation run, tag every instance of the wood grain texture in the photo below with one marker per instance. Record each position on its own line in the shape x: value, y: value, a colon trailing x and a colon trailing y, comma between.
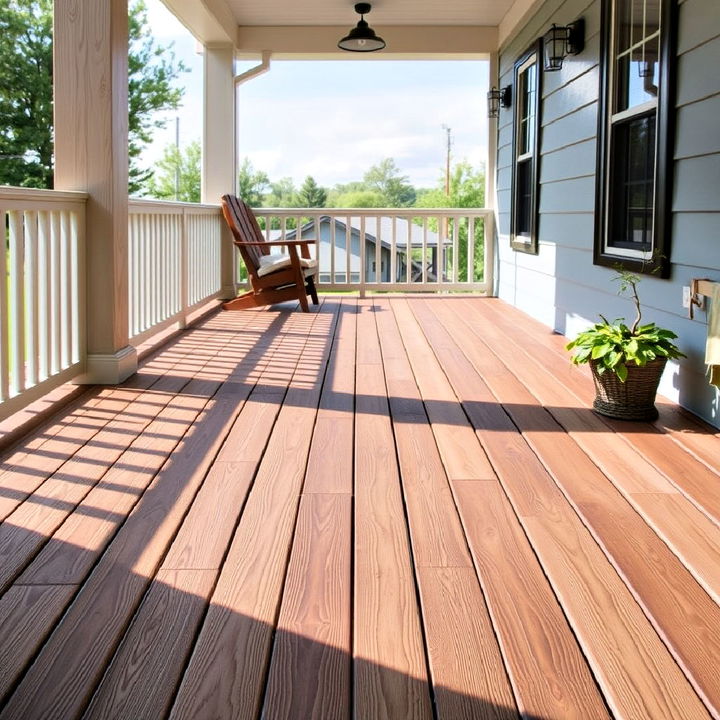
x: 390, y: 673
x: 467, y: 670
x: 547, y: 669
x: 310, y: 665
x: 226, y: 671
x: 435, y: 528
x: 636, y: 673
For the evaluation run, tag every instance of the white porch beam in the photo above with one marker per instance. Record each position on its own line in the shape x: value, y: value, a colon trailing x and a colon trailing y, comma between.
x: 91, y: 155
x: 452, y: 42
x: 210, y: 21
x: 218, y: 152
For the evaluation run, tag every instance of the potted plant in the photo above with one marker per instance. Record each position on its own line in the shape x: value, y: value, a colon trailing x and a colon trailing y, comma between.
x: 626, y: 362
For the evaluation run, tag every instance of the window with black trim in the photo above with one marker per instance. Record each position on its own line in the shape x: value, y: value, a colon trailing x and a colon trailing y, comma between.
x: 635, y: 135
x: 526, y: 100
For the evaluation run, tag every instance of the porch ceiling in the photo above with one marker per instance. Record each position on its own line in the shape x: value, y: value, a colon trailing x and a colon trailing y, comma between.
x: 461, y: 26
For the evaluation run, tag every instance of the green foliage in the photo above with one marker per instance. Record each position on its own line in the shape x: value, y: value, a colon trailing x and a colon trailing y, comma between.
x: 467, y: 190
x: 177, y: 174
x: 26, y: 116
x: 282, y: 194
x: 252, y: 184
x: 152, y: 70
x: 614, y: 345
x: 26, y: 112
x: 385, y: 179
x: 359, y: 199
x: 311, y: 195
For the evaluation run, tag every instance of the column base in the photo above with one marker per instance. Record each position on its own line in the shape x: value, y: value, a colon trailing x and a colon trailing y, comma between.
x: 110, y: 369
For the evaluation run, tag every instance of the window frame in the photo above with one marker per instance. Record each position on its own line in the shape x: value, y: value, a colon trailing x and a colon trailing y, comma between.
x: 529, y: 243
x: 657, y: 259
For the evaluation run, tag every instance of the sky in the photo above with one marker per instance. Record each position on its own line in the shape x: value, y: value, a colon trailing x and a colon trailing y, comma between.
x: 334, y: 119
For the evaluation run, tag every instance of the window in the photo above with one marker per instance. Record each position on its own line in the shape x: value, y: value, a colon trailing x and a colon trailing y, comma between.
x: 523, y: 218
x: 635, y: 135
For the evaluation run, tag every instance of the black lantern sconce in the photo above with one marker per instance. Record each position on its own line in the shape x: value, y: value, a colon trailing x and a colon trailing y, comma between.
x: 362, y: 37
x: 563, y: 40
x: 498, y: 99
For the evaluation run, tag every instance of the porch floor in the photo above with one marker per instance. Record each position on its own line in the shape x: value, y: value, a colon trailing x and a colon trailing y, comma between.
x: 388, y: 508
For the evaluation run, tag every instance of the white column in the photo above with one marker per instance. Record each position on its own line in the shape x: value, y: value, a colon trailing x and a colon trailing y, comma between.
x: 219, y: 161
x: 91, y: 154
x: 491, y: 237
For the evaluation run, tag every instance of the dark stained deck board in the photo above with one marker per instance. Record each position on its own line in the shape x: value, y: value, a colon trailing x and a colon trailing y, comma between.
x: 390, y: 671
x: 680, y: 609
x: 407, y: 521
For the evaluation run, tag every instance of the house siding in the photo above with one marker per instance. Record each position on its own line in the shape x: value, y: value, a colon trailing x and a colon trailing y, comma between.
x: 560, y: 286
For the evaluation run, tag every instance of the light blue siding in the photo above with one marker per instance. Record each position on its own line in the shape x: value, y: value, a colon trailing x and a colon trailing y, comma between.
x: 560, y: 286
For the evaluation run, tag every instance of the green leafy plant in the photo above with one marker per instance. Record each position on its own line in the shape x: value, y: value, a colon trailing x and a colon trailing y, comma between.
x: 613, y: 345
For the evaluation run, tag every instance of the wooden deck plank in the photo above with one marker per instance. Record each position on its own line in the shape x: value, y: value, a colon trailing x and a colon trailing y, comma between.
x: 330, y: 462
x: 115, y: 588
x: 482, y: 690
x: 461, y: 453
x: 390, y: 673
x: 680, y: 610
x: 634, y: 669
x: 142, y: 685
x: 226, y: 671
x: 549, y: 675
x: 435, y: 529
x: 698, y: 543
x: 309, y: 673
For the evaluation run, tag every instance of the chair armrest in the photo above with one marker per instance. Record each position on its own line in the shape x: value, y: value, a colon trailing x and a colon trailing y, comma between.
x: 274, y: 243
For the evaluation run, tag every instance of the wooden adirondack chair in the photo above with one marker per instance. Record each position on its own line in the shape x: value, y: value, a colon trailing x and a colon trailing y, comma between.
x: 274, y: 277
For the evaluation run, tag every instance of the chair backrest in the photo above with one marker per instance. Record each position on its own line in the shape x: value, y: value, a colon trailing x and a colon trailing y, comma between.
x: 244, y: 226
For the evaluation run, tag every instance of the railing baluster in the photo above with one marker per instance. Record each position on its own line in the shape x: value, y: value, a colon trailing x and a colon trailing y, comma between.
x: 378, y: 250
x: 4, y: 318
x: 55, y: 290
x: 44, y: 295
x: 393, y: 251
x: 17, y: 304
x: 471, y: 250
x: 31, y: 297
x: 66, y: 290
x: 456, y: 249
x: 438, y: 241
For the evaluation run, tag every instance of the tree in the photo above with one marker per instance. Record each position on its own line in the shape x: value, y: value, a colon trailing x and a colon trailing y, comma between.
x: 467, y: 190
x: 26, y: 119
x: 282, y: 194
x: 177, y: 174
x: 26, y: 112
x: 311, y: 195
x: 152, y: 70
x: 359, y: 199
x: 252, y: 184
x: 385, y: 179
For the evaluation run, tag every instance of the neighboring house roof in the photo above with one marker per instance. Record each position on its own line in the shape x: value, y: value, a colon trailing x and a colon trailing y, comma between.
x: 371, y: 231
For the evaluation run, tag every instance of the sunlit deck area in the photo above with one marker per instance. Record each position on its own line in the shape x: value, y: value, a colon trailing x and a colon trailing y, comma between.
x: 385, y: 508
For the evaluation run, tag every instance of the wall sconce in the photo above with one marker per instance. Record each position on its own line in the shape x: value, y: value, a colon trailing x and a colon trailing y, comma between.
x: 498, y: 99
x: 563, y: 40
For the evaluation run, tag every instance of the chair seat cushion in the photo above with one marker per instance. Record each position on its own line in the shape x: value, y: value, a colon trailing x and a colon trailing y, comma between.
x: 277, y: 261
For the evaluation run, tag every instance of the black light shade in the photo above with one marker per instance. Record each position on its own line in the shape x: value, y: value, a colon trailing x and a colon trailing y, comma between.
x: 562, y: 40
x: 498, y: 99
x: 362, y: 37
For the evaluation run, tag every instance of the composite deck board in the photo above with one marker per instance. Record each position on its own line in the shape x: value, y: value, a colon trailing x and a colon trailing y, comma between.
x: 698, y: 541
x: 633, y: 667
x: 228, y: 666
x: 389, y: 669
x: 387, y: 508
x: 680, y: 609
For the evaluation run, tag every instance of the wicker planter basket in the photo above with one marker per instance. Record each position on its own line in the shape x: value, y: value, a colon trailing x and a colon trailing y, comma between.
x: 635, y: 398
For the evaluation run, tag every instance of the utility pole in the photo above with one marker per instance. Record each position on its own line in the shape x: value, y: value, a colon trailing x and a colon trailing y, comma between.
x: 448, y: 131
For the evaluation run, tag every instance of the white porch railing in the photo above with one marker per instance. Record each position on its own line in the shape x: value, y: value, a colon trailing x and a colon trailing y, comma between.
x: 391, y: 249
x: 42, y: 285
x: 174, y: 263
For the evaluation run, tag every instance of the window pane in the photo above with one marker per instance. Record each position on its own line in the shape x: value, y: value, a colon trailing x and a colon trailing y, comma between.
x: 526, y: 116
x: 632, y: 184
x: 523, y: 197
x: 624, y: 23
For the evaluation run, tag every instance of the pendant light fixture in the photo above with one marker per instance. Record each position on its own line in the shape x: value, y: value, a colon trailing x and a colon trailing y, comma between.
x: 362, y: 37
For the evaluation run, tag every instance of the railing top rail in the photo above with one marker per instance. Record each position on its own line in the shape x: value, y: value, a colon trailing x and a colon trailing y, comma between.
x: 374, y: 212
x: 10, y: 194
x: 148, y: 205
